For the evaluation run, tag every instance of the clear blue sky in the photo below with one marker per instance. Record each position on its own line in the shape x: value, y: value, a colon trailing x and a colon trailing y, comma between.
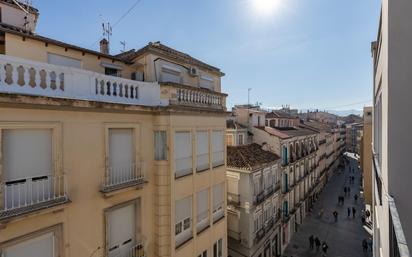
x: 306, y: 53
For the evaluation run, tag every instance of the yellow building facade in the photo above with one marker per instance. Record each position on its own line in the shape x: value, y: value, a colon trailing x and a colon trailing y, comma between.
x: 108, y: 155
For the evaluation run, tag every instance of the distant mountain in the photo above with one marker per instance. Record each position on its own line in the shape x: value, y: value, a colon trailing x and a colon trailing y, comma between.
x: 344, y: 113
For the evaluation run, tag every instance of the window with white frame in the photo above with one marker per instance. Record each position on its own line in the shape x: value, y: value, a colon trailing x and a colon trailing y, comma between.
x: 218, y: 248
x: 218, y: 201
x: 275, y: 206
x: 170, y: 73
x: 240, y: 140
x: 160, y: 145
x: 257, y: 220
x: 202, y: 150
x: 267, y: 179
x: 218, y: 145
x: 183, y: 220
x: 121, y: 229
x: 202, y: 206
x: 28, y: 170
x: 256, y: 183
x: 122, y: 167
x: 183, y: 153
x: 267, y: 210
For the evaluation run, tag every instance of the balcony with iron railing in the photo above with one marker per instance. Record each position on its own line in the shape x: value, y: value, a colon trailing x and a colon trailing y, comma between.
x: 269, y: 224
x: 233, y: 199
x: 259, y: 235
x: 137, y: 250
x: 120, y: 177
x: 31, y: 194
x: 259, y: 198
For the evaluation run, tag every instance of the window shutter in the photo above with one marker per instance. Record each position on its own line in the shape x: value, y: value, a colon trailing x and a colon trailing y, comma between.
x: 183, y: 153
x: 121, y: 148
x: 160, y: 140
x: 218, y: 148
x: 121, y: 229
x: 202, y: 201
x: 63, y: 61
x: 202, y: 150
x: 41, y: 246
x: 27, y: 153
x: 218, y: 191
x: 183, y: 209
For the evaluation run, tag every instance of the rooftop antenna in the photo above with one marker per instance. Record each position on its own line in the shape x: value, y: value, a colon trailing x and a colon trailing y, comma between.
x: 123, y: 43
x: 107, y: 31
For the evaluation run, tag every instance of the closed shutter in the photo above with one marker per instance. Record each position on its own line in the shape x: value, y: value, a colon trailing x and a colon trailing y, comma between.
x: 202, y: 150
x: 63, y: 61
x: 160, y: 140
x: 218, y: 148
x: 206, y: 82
x: 121, y: 154
x: 170, y: 74
x: 183, y: 153
x: 27, y: 153
x: 232, y: 186
x: 41, y: 246
x: 218, y: 202
x: 202, y: 209
x: 121, y: 230
x: 183, y: 220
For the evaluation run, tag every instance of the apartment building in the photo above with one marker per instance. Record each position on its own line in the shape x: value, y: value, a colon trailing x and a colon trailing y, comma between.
x: 297, y: 148
x: 353, y: 137
x: 253, y: 179
x: 107, y: 155
x: 366, y: 155
x: 392, y: 213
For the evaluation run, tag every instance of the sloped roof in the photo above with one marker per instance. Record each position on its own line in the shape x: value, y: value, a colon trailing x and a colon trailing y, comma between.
x: 279, y: 114
x: 27, y: 7
x: 274, y: 132
x: 249, y: 157
x: 231, y: 124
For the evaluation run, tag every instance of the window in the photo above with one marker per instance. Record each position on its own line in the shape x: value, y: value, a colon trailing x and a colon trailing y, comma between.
x: 27, y: 166
x: 183, y: 154
x: 257, y: 220
x: 44, y: 245
x: 218, y: 148
x: 170, y: 73
x: 218, y: 248
x: 267, y: 179
x: 121, y: 229
x: 183, y: 220
x: 202, y: 150
x: 63, y: 61
x: 256, y: 183
x: 160, y: 145
x: 218, y: 201
x: 240, y: 139
x: 202, y: 205
x: 206, y: 82
x: 229, y: 140
x: 204, y: 254
x: 122, y: 167
x: 274, y: 206
x: 112, y: 72
x: 267, y: 210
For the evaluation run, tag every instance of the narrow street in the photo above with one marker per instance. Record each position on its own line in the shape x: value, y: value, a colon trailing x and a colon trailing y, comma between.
x: 344, y: 237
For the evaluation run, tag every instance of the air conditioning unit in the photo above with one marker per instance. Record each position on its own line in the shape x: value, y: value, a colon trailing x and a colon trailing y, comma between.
x: 193, y: 71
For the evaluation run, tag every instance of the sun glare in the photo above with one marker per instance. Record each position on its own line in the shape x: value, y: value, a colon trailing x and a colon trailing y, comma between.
x: 266, y: 7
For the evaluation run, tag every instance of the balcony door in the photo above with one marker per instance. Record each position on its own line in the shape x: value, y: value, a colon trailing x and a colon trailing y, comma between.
x: 121, y: 156
x: 121, y: 231
x: 27, y: 166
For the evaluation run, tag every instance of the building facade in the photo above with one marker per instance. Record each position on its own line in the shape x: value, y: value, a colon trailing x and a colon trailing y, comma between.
x: 366, y: 155
x: 390, y: 137
x: 108, y: 155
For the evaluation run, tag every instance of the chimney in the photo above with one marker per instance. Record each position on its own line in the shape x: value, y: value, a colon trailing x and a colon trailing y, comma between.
x: 104, y: 46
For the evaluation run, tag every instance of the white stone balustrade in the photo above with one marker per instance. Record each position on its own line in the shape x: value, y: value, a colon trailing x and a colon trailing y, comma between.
x: 22, y: 76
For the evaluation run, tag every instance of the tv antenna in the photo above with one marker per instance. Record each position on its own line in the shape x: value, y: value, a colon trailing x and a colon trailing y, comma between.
x: 123, y: 43
x: 107, y: 31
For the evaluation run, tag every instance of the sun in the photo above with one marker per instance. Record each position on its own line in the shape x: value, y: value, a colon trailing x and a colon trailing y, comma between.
x: 266, y: 7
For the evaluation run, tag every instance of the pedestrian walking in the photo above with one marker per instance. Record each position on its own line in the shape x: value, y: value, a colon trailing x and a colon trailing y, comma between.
x: 345, y: 189
x: 335, y: 214
x: 325, y: 248
x: 311, y: 241
x: 365, y: 245
x: 363, y: 219
x: 370, y: 243
x: 348, y: 212
x: 356, y: 198
x: 317, y: 243
x: 353, y: 212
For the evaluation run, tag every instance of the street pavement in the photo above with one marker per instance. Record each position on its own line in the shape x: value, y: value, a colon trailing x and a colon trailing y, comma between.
x: 344, y: 237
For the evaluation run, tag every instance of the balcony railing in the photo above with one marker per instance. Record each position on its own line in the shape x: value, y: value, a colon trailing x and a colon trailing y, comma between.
x: 257, y: 199
x: 183, y: 95
x: 269, y: 190
x: 233, y: 199
x: 22, y: 76
x: 259, y: 235
x: 269, y: 224
x: 136, y: 251
x: 32, y: 194
x: 202, y: 221
x: 118, y: 177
